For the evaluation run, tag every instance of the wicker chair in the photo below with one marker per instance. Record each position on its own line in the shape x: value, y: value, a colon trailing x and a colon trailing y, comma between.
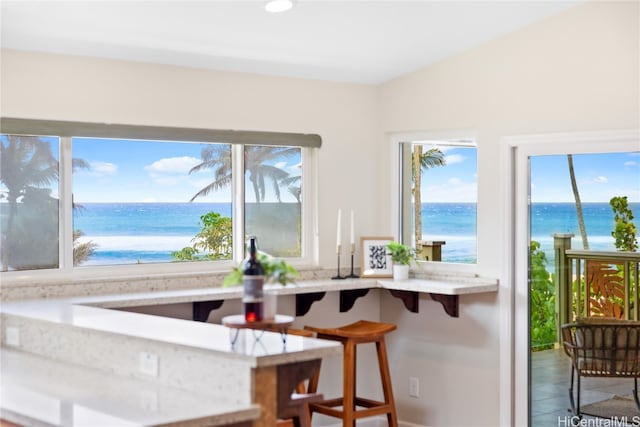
x: 602, y: 348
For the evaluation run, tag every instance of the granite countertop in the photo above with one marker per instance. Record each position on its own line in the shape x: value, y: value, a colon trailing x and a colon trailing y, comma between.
x: 93, y: 313
x: 77, y: 353
x: 74, y: 312
x: 458, y: 286
x: 39, y: 391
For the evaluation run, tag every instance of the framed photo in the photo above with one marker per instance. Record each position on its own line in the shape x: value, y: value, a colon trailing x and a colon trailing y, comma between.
x: 376, y: 262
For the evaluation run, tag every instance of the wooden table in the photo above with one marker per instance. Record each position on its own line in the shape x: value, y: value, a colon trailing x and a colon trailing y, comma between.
x: 280, y: 323
x: 282, y: 378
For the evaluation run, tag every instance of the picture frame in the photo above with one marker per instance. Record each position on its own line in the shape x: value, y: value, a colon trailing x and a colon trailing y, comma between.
x: 376, y: 261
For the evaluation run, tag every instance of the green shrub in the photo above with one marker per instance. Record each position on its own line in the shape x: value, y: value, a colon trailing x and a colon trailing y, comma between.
x: 542, y: 301
x: 214, y: 241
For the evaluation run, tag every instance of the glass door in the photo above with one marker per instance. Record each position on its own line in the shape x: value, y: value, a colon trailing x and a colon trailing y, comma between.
x: 574, y: 200
x: 558, y: 182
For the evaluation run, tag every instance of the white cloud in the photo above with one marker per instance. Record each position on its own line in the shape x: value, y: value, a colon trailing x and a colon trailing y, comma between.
x: 454, y: 158
x: 455, y: 181
x: 172, y: 165
x: 102, y: 168
x: 280, y: 165
x: 171, y: 171
x: 631, y: 163
x: 601, y: 179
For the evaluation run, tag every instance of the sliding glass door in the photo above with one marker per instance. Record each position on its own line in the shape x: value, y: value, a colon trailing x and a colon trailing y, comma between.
x: 562, y: 189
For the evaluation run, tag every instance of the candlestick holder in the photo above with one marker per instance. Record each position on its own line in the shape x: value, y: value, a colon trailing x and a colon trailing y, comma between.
x: 338, y: 276
x: 352, y: 275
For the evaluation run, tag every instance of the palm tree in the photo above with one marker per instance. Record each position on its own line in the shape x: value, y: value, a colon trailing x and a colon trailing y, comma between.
x: 27, y: 168
x: 26, y: 165
x: 217, y: 157
x: 82, y: 251
x: 576, y: 196
x: 257, y: 159
x: 293, y: 186
x: 431, y: 158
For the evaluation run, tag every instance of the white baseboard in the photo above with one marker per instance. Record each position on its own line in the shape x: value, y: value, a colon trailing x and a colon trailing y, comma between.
x: 378, y: 422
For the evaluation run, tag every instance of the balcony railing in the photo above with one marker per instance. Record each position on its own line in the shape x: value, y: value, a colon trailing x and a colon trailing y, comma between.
x: 595, y: 283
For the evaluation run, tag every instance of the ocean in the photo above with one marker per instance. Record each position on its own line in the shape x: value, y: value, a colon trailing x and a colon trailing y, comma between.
x: 129, y: 233
x: 148, y: 232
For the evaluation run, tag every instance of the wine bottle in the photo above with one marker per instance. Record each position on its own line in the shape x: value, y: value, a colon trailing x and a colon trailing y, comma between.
x: 253, y: 279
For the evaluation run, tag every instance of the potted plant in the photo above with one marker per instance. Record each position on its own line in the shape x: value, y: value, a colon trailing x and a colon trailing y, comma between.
x: 276, y: 270
x: 401, y: 256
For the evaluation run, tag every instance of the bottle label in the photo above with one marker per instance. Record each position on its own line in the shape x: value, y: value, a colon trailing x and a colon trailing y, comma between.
x: 253, y: 288
x: 252, y: 304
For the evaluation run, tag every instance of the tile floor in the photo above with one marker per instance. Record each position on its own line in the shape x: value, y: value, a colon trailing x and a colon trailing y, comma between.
x: 550, y: 378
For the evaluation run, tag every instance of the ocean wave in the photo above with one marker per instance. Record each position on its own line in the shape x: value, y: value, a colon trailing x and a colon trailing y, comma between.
x: 138, y: 243
x: 602, y: 241
x: 448, y: 238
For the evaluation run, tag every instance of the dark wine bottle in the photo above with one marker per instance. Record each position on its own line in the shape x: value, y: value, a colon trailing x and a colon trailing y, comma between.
x: 253, y: 279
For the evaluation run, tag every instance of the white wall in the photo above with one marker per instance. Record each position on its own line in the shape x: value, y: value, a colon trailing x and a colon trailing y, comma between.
x: 69, y: 88
x: 577, y: 71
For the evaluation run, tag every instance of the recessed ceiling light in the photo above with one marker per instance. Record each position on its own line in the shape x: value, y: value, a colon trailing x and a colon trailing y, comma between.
x: 275, y: 6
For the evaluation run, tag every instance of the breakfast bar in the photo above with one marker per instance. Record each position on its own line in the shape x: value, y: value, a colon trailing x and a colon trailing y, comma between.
x: 96, y: 336
x: 170, y: 354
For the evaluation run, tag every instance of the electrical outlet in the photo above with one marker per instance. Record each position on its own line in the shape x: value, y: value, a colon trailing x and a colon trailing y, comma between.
x: 148, y: 363
x: 12, y: 336
x: 149, y: 400
x: 414, y: 387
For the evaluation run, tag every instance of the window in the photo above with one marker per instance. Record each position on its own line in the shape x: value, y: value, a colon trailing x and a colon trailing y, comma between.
x: 439, y: 199
x: 29, y: 204
x: 152, y: 201
x: 273, y: 198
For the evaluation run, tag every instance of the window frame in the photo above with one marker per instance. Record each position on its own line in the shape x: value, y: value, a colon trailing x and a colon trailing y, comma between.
x: 396, y: 193
x: 308, y: 144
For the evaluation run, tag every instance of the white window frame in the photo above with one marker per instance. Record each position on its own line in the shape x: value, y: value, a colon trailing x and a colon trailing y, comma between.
x: 514, y: 289
x: 66, y: 270
x: 396, y: 140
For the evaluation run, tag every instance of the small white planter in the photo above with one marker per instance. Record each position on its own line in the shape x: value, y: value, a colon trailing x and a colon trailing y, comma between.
x: 400, y: 272
x: 270, y: 304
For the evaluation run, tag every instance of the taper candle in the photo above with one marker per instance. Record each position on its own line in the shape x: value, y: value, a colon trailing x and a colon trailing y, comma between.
x: 338, y: 236
x: 352, y: 238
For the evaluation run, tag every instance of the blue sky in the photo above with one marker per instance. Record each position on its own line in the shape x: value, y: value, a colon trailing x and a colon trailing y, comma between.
x: 128, y: 171
x: 456, y: 181
x: 599, y: 177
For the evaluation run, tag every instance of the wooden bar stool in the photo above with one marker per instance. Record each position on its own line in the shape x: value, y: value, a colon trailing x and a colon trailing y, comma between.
x: 293, y: 408
x: 350, y: 336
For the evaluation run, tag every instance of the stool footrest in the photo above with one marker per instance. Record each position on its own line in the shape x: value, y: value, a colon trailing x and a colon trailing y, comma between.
x: 371, y: 408
x: 368, y: 403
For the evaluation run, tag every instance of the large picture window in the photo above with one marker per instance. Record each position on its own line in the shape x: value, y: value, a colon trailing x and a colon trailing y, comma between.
x: 150, y: 201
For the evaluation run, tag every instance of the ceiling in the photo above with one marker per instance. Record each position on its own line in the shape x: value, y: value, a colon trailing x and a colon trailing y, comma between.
x: 351, y: 41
